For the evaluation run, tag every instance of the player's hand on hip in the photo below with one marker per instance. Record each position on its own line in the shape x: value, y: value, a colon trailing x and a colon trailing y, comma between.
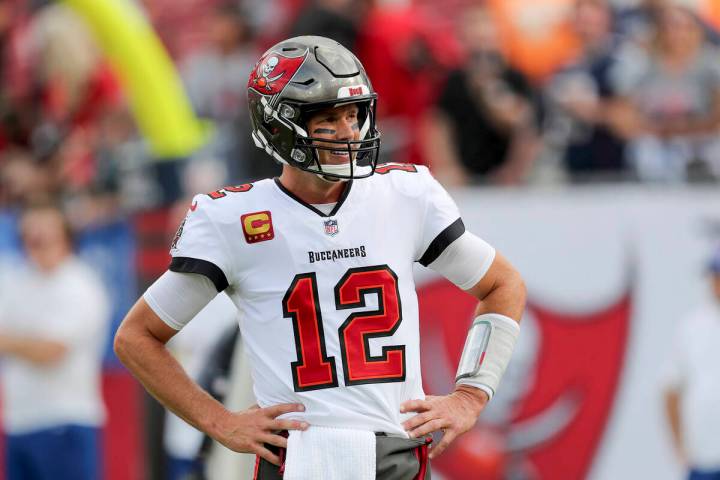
x: 453, y: 414
x: 249, y: 430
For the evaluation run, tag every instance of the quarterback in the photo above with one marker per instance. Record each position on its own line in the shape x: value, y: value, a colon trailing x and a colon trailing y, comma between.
x: 319, y: 264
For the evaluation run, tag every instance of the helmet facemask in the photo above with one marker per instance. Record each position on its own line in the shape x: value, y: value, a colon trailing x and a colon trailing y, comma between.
x: 362, y: 153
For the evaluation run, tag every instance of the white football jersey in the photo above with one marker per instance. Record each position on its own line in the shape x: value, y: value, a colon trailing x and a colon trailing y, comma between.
x: 329, y: 313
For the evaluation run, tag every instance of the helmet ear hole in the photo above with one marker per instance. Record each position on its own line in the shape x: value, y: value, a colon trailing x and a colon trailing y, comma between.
x: 287, y: 112
x: 299, y: 156
x: 304, y: 156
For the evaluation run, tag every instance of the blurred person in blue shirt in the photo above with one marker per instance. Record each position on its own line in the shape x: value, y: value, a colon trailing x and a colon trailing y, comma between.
x: 53, y: 319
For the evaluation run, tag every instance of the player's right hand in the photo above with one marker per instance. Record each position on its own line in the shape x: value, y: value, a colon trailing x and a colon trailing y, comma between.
x: 249, y: 430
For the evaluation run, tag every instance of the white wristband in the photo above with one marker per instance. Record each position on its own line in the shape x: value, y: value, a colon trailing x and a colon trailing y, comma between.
x: 488, y: 348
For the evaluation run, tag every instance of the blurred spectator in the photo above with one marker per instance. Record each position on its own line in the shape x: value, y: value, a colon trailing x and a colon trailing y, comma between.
x: 53, y: 321
x: 636, y: 23
x: 56, y: 92
x: 406, y: 52
x: 336, y: 19
x: 483, y: 124
x: 75, y: 89
x: 15, y: 78
x: 123, y: 163
x: 669, y: 104
x: 692, y: 391
x: 22, y: 179
x: 216, y: 81
x: 536, y: 36
x: 579, y: 96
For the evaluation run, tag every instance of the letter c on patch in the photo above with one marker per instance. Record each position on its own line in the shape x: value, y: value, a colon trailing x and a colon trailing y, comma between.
x: 257, y: 223
x: 257, y: 226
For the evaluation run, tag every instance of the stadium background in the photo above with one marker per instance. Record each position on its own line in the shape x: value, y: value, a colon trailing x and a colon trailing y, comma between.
x: 611, y: 262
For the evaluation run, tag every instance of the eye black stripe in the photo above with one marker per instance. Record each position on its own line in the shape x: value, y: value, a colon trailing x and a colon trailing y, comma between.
x: 328, y: 131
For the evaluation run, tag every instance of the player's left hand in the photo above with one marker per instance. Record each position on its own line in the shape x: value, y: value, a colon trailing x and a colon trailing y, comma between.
x: 454, y: 414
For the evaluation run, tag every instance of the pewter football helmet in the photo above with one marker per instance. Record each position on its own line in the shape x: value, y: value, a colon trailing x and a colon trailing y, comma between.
x: 297, y: 77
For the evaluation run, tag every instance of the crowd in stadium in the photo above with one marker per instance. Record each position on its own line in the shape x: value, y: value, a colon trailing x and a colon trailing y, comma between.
x: 599, y: 92
x: 627, y: 94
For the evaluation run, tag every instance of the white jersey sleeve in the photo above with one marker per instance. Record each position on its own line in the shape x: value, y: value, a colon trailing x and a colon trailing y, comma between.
x: 441, y: 222
x: 199, y: 246
x: 465, y: 261
x: 444, y: 245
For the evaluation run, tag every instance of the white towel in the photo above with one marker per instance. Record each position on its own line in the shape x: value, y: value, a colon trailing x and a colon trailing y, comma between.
x: 324, y: 453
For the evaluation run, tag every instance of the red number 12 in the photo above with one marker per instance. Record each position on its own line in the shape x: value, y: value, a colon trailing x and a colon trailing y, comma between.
x: 314, y: 369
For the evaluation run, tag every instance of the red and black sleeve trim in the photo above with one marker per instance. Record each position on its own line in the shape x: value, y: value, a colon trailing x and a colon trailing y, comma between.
x: 442, y: 241
x: 202, y: 267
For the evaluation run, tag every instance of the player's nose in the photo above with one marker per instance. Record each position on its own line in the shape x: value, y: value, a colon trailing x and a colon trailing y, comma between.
x: 345, y: 129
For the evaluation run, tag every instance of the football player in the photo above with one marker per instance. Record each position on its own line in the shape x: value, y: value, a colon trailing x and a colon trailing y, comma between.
x: 319, y: 263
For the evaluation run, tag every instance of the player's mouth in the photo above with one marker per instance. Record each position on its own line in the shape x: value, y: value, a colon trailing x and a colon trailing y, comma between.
x: 343, y: 153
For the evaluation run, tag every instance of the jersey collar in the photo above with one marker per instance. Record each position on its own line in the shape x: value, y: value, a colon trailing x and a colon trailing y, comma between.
x: 341, y: 200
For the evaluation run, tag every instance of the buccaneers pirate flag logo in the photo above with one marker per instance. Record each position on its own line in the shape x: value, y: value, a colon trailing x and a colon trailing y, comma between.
x: 273, y: 71
x: 556, y: 395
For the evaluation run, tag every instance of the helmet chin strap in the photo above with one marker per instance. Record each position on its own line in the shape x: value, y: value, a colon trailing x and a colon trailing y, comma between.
x: 343, y: 169
x: 334, y: 169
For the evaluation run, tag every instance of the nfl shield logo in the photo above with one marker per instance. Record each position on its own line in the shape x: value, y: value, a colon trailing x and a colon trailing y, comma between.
x: 331, y: 227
